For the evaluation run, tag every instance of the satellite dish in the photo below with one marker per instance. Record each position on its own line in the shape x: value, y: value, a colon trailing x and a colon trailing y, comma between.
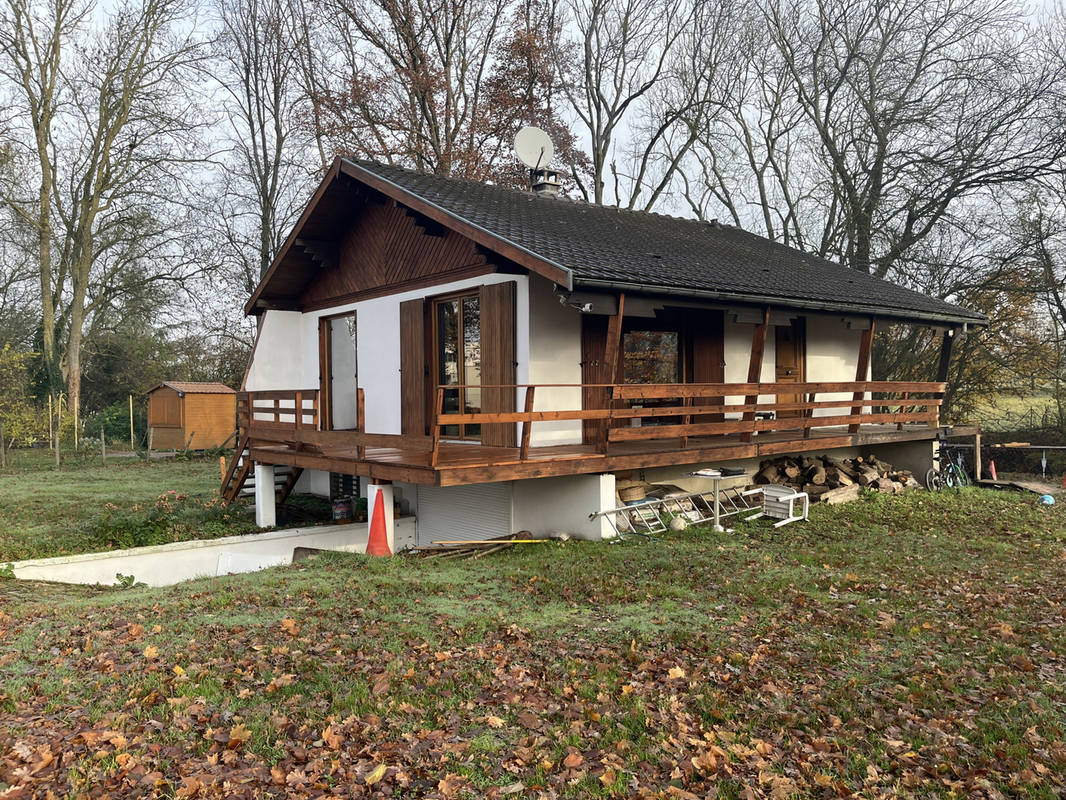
x: 533, y: 147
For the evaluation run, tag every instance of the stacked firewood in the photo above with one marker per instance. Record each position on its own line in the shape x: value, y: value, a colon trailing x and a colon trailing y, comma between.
x: 834, y: 480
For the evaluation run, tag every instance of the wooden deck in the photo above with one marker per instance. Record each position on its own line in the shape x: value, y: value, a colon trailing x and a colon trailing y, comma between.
x: 277, y: 434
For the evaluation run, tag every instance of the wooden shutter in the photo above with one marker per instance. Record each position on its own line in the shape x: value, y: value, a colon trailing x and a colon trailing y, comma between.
x: 413, y: 367
x: 498, y: 360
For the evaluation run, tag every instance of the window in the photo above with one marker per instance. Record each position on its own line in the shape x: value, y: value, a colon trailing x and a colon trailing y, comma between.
x: 457, y: 346
x: 651, y: 357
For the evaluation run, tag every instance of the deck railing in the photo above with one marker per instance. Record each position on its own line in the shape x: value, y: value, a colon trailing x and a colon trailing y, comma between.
x: 633, y: 412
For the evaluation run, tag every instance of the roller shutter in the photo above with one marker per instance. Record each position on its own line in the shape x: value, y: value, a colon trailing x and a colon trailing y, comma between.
x: 468, y: 513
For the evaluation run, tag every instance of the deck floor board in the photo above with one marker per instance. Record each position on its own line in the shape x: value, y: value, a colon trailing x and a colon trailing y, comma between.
x: 464, y: 462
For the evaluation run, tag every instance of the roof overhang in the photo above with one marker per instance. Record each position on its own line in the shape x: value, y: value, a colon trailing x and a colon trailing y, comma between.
x: 849, y: 309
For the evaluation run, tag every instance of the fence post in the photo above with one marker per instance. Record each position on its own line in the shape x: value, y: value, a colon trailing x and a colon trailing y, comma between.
x: 49, y: 420
x: 103, y: 445
x: 3, y: 448
x: 133, y: 447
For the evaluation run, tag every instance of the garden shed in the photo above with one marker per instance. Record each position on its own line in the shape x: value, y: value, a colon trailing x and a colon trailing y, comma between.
x: 186, y: 414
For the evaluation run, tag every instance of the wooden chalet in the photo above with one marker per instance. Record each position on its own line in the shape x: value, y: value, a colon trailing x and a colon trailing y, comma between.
x: 474, y: 349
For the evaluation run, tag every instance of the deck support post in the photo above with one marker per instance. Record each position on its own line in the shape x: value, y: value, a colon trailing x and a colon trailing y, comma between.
x: 610, y: 362
x: 265, y: 510
x: 862, y: 370
x: 381, y: 491
x: 758, y: 349
x: 977, y: 456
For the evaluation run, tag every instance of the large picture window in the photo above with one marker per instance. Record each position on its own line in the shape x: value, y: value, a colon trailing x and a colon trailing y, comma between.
x: 457, y: 347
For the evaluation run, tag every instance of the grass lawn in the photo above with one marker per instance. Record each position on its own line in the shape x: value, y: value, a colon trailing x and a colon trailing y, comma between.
x: 87, y: 506
x: 896, y: 646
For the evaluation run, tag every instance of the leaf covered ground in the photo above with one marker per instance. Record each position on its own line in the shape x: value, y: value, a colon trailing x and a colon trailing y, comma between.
x: 892, y: 647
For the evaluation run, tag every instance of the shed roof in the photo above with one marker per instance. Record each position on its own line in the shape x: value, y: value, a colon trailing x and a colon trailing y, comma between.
x: 194, y: 387
x: 590, y: 246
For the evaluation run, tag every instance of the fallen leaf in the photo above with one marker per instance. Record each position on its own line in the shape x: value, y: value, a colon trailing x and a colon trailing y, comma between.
x: 290, y: 627
x: 675, y: 673
x: 151, y: 652
x: 332, y: 739
x: 238, y: 735
x: 375, y: 776
x: 573, y: 760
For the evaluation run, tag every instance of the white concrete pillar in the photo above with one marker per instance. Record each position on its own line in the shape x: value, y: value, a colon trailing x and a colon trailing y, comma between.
x: 265, y: 516
x: 382, y: 493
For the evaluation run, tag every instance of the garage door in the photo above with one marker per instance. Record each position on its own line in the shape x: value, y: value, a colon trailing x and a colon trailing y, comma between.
x: 482, y: 511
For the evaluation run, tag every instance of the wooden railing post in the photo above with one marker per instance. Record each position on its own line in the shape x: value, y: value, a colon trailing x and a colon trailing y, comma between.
x: 902, y: 409
x: 438, y: 407
x: 808, y: 414
x: 527, y: 424
x: 299, y: 410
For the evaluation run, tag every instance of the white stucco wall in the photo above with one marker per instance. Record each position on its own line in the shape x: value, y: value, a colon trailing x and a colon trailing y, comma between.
x: 832, y: 356
x: 554, y: 357
x: 286, y: 356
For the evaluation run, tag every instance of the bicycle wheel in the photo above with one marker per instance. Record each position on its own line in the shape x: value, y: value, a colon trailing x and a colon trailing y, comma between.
x: 958, y: 476
x: 932, y: 481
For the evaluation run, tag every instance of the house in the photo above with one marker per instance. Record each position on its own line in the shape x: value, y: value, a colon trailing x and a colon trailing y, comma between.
x: 492, y: 359
x: 189, y: 415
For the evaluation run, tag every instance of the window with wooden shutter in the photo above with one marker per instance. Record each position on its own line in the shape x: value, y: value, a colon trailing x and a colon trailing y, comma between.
x: 413, y: 367
x: 498, y: 360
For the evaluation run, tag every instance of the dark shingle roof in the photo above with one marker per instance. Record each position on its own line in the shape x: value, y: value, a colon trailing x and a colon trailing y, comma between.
x: 602, y: 245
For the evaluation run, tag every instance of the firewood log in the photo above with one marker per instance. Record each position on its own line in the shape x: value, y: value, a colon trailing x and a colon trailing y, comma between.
x: 842, y: 495
x: 816, y: 474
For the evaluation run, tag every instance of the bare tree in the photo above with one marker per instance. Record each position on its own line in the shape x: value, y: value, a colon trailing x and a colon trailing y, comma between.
x: 110, y: 123
x: 618, y: 53
x: 916, y: 105
x: 409, y: 83
x: 34, y: 38
x: 258, y: 49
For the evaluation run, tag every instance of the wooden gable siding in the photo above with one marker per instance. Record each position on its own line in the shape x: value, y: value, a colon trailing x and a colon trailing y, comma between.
x: 384, y: 251
x: 209, y: 419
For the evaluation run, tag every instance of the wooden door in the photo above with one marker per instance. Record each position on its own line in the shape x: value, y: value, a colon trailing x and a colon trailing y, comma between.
x: 707, y: 337
x: 791, y: 355
x: 593, y: 343
x: 498, y: 365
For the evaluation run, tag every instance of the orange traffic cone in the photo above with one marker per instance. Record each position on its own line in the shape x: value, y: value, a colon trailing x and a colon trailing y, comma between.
x: 378, y: 545
x: 992, y: 469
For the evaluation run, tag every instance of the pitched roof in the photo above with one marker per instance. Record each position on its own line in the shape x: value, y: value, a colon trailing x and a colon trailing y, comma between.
x: 591, y: 246
x: 195, y: 387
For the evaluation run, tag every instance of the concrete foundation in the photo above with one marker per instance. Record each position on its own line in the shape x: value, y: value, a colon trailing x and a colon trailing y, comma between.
x: 549, y: 505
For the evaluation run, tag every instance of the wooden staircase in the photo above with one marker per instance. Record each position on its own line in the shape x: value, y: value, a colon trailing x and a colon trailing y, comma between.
x: 239, y: 480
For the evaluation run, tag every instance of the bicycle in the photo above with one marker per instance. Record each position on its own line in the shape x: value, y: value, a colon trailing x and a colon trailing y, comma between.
x: 950, y: 475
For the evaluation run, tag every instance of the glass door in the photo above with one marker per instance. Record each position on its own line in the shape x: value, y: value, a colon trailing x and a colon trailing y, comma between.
x: 342, y: 371
x: 457, y: 349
